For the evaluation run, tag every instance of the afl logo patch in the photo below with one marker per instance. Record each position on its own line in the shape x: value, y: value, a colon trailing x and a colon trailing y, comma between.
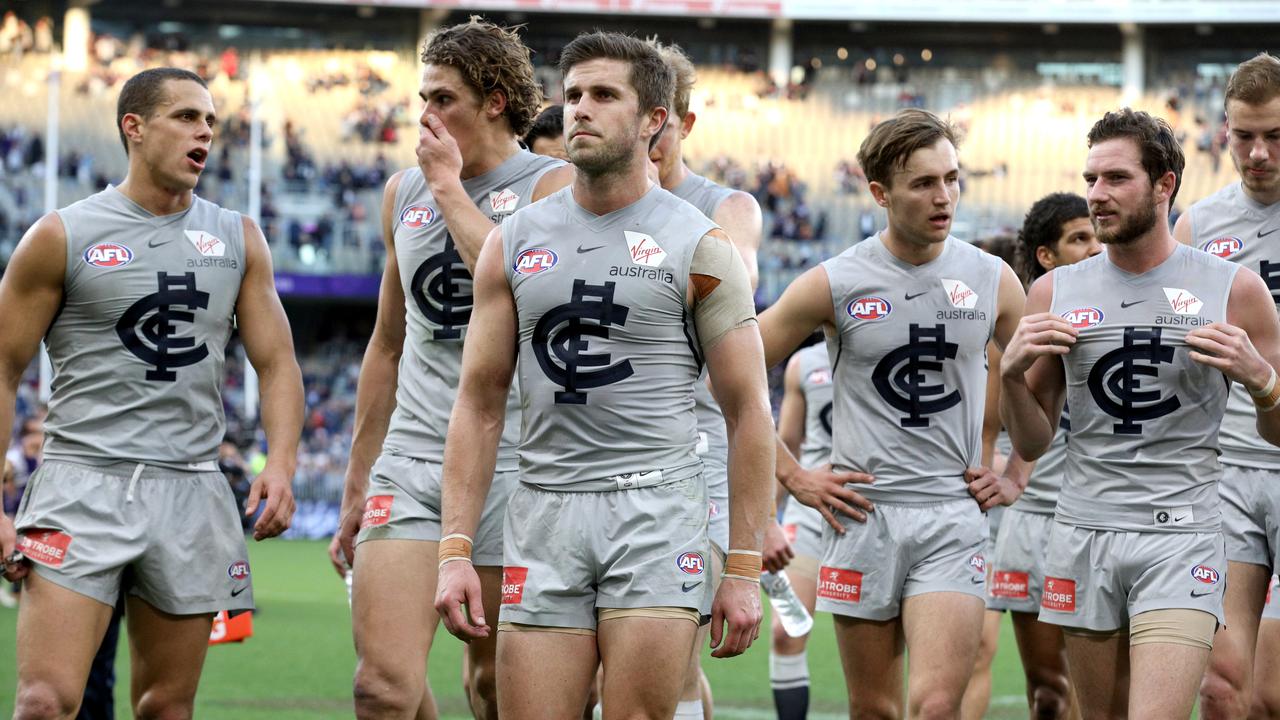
x: 534, y: 261
x: 1081, y: 318
x: 869, y: 308
x: 417, y: 216
x: 108, y: 255
x: 1223, y: 247
x: 238, y: 570
x: 1205, y: 574
x: 690, y: 563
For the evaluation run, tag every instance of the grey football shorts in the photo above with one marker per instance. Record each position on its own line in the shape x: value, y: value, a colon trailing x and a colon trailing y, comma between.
x: 902, y: 550
x: 1251, y: 514
x: 716, y: 473
x: 177, y: 535
x: 403, y: 503
x: 803, y: 527
x: 571, y: 553
x: 1271, y: 611
x: 1017, y: 563
x: 1100, y: 579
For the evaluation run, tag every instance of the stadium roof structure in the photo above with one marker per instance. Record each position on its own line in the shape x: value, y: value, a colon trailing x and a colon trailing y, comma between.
x: 1159, y: 12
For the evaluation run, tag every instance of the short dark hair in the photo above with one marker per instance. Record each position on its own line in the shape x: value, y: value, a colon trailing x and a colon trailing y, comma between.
x: 1156, y: 143
x: 490, y: 58
x: 891, y: 142
x: 548, y: 124
x: 1254, y: 81
x: 1043, y: 227
x: 653, y: 80
x: 144, y: 91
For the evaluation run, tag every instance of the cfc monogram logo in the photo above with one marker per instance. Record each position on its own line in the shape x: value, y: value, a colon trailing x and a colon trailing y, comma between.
x: 442, y: 291
x: 1116, y: 381
x: 147, y: 327
x: 560, y: 341
x: 900, y: 376
x: 824, y: 417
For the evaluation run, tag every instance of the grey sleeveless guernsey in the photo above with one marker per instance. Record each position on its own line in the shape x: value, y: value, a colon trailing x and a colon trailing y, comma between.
x: 909, y: 361
x: 1142, y: 454
x: 438, y: 301
x: 815, y: 383
x: 1235, y: 227
x: 1041, y: 494
x: 138, y: 346
x: 608, y: 355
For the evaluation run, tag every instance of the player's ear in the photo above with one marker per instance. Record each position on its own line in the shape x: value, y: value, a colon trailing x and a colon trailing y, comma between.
x: 1164, y: 186
x: 879, y: 193
x: 495, y: 104
x: 131, y: 125
x: 657, y: 121
x: 1045, y: 257
x: 686, y: 124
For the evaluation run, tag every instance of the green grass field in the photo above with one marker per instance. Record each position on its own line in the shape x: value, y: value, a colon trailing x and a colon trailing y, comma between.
x: 299, y: 662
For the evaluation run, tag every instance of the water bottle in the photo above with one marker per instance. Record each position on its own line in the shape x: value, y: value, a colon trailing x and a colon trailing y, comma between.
x: 796, y: 620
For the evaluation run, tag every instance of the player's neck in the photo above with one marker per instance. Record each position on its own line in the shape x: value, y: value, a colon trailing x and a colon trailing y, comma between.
x: 605, y: 193
x: 676, y: 175
x: 139, y: 188
x: 489, y: 156
x: 909, y: 251
x: 1146, y: 252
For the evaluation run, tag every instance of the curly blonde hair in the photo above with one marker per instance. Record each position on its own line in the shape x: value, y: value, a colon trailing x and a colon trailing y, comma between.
x: 490, y: 59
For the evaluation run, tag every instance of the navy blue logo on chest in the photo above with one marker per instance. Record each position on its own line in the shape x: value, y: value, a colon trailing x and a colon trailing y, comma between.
x: 561, y: 342
x: 150, y: 327
x: 1116, y: 381
x: 908, y: 377
x: 441, y: 289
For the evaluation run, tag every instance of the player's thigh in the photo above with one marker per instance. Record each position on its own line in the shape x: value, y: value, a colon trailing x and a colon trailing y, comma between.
x: 1233, y: 645
x: 1041, y: 648
x: 544, y: 673
x: 58, y: 634
x: 482, y: 652
x: 393, y: 617
x: 1164, y: 679
x: 943, y: 632
x: 1098, y: 663
x: 1266, y: 670
x: 643, y: 660
x: 872, y: 654
x: 167, y: 653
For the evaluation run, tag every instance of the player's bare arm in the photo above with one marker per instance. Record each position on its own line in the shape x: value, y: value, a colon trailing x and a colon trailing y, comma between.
x: 988, y: 487
x: 375, y: 390
x: 804, y: 307
x: 30, y: 294
x: 471, y: 447
x: 739, y: 215
x: 791, y: 435
x: 1184, y: 230
x: 268, y: 343
x: 1247, y: 347
x: 1033, y: 382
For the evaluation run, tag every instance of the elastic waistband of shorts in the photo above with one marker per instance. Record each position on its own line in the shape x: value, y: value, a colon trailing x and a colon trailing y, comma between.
x: 623, y: 481
x: 128, y: 469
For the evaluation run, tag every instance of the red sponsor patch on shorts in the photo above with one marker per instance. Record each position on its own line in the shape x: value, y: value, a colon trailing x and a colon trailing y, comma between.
x: 377, y: 511
x: 48, y: 547
x: 838, y: 584
x: 1059, y: 594
x: 1009, y: 584
x: 513, y: 584
x: 789, y: 531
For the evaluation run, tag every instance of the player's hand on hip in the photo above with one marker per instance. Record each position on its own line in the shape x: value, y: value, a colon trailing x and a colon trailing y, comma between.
x: 735, y: 617
x: 990, y: 489
x: 438, y: 153
x: 458, y: 601
x: 276, y: 487
x: 777, y: 551
x: 824, y: 490
x: 342, y: 549
x: 1037, y: 335
x: 1228, y: 348
x: 16, y: 566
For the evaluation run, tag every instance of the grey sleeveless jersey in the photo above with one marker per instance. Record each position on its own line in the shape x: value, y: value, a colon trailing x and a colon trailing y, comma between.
x: 1041, y: 494
x: 1234, y: 227
x: 910, y: 367
x: 1142, y: 454
x: 138, y: 345
x: 608, y: 355
x: 437, y: 299
x: 713, y: 435
x: 815, y: 383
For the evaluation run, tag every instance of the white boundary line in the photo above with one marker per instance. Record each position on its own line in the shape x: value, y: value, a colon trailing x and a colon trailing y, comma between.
x: 742, y: 713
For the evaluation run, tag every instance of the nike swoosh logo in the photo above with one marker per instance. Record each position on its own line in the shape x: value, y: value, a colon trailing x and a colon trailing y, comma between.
x: 587, y: 250
x: 1201, y: 594
x: 153, y: 244
x: 978, y: 580
x: 1131, y: 303
x: 237, y: 592
x: 1264, y: 234
x: 686, y: 587
x: 1180, y: 518
x: 909, y: 296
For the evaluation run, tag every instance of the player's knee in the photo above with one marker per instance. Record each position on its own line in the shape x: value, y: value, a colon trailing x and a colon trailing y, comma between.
x: 1222, y: 694
x: 1050, y: 692
x: 41, y: 701
x: 1266, y: 704
x: 378, y: 693
x: 784, y: 644
x: 935, y: 705
x: 483, y: 681
x: 155, y: 706
x: 867, y: 707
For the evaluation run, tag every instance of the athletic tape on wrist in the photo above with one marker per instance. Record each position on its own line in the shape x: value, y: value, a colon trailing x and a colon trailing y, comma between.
x: 454, y: 547
x: 742, y: 565
x: 1269, y: 397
